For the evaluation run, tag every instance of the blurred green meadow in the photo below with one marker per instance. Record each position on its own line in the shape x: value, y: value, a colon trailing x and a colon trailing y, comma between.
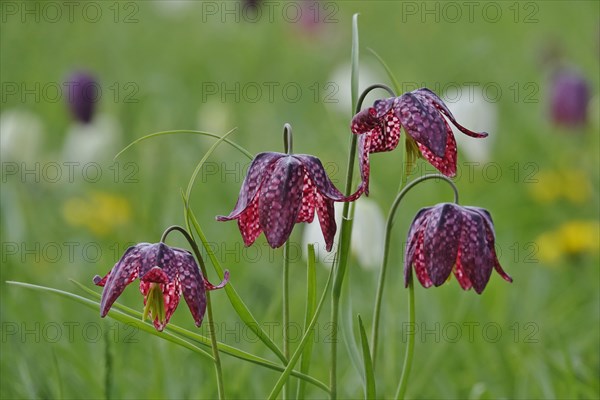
x: 70, y: 211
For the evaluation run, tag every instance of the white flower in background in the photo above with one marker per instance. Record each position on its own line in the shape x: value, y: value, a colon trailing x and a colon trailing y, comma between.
x: 173, y: 8
x: 213, y: 117
x: 21, y: 136
x: 368, y: 231
x: 472, y: 109
x: 98, y: 141
x: 338, y: 86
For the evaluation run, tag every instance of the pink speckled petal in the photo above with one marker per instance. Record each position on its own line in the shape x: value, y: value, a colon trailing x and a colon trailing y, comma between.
x: 447, y: 164
x: 442, y: 237
x: 316, y: 172
x: 326, y: 214
x: 307, y: 211
x: 423, y: 122
x: 248, y: 223
x: 364, y: 121
x: 414, y: 240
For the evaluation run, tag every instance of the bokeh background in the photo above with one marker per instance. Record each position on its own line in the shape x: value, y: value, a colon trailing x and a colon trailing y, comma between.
x: 68, y: 210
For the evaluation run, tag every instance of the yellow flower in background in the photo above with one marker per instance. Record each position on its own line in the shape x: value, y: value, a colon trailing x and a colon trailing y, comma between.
x: 571, y: 238
x: 573, y: 185
x: 101, y: 213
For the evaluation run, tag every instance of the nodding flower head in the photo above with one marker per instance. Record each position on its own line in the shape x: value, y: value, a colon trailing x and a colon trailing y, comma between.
x: 83, y: 95
x: 421, y: 114
x: 281, y: 190
x: 165, y: 274
x: 450, y: 238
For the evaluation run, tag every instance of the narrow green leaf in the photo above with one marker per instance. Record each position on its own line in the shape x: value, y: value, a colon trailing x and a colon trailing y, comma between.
x: 117, y: 315
x: 305, y: 339
x: 355, y: 63
x: 397, y: 87
x: 347, y: 329
x: 311, y: 304
x: 205, y: 341
x: 234, y: 298
x: 183, y: 131
x: 368, y: 365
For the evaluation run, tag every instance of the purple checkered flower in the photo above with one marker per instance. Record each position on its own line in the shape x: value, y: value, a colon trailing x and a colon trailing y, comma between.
x: 281, y: 190
x: 447, y: 238
x: 421, y: 113
x: 83, y: 96
x: 165, y: 274
x: 569, y: 100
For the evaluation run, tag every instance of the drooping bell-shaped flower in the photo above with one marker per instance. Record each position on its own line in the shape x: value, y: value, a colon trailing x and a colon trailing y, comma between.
x: 570, y: 95
x: 421, y: 113
x: 281, y: 190
x: 83, y: 94
x: 450, y: 238
x: 165, y: 274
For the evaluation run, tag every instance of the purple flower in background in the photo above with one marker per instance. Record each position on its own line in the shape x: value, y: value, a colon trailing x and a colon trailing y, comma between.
x: 165, y: 274
x: 281, y: 190
x: 421, y: 113
x: 570, y: 96
x: 83, y: 93
x: 448, y: 237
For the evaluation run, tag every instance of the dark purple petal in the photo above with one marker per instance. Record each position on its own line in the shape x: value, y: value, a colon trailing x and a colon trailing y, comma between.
x: 447, y: 164
x: 427, y: 95
x: 416, y: 228
x: 442, y: 236
x: 157, y: 255
x: 491, y: 240
x: 123, y: 273
x: 326, y: 214
x: 423, y: 122
x: 474, y: 254
x: 280, y: 200
x: 257, y: 172
x: 384, y: 106
x: 191, y: 283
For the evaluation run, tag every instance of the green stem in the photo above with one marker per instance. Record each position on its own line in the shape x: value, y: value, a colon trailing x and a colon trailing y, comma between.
x: 209, y: 313
x: 286, y: 310
x: 388, y: 232
x: 410, y: 345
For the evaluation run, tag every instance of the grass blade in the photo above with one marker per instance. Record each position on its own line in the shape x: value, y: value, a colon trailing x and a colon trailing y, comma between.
x: 305, y: 339
x: 370, y: 392
x: 205, y: 341
x: 184, y: 131
x: 117, y: 315
x: 389, y: 72
x: 234, y: 298
x: 311, y: 304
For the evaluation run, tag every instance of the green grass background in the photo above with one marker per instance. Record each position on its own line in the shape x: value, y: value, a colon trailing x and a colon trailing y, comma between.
x: 548, y: 346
